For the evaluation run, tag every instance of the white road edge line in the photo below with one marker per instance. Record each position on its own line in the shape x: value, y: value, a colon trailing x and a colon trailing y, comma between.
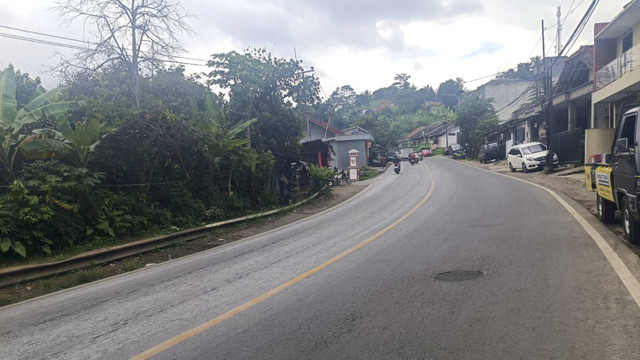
x: 623, y: 272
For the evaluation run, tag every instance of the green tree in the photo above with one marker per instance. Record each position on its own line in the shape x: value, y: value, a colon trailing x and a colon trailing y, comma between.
x: 267, y: 88
x: 401, y: 82
x: 340, y: 107
x: 450, y: 92
x: 477, y: 120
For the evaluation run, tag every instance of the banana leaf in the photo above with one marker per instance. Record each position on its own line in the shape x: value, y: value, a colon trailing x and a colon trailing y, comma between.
x: 84, y: 135
x: 30, y: 115
x: 8, y: 102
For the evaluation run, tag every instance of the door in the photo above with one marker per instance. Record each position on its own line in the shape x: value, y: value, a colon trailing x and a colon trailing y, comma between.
x: 514, y: 157
x: 624, y: 149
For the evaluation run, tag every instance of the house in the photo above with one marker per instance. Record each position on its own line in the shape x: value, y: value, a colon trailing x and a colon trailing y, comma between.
x: 527, y: 122
x: 506, y: 95
x: 451, y: 137
x: 377, y: 109
x: 616, y: 78
x: 315, y: 147
x: 349, y: 139
x: 413, y: 139
x: 331, y: 146
x: 439, y: 134
x: 572, y: 106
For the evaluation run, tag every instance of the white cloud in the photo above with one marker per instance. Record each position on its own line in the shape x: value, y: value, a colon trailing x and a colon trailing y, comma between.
x: 356, y: 42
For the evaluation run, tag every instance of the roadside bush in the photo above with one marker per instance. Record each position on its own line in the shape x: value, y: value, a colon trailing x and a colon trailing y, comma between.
x: 42, y: 210
x: 67, y: 191
x: 124, y: 214
x: 23, y: 222
x: 319, y: 177
x: 185, y: 209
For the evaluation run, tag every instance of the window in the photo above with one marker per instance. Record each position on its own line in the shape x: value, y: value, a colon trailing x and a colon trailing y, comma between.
x: 627, y: 130
x: 533, y: 149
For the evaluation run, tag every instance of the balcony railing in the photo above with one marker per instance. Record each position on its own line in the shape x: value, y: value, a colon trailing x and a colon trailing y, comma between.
x: 618, y: 67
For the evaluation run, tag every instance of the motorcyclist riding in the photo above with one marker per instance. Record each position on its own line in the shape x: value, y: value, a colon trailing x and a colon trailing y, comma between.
x: 396, y: 165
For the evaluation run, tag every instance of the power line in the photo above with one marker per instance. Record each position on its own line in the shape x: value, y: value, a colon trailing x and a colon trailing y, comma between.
x: 49, y: 35
x: 572, y: 9
x: 39, y: 41
x: 481, y: 78
x: 47, y: 42
x: 581, y: 25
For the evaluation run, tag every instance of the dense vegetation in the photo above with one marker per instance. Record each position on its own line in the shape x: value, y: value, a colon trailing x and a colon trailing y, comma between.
x: 84, y: 164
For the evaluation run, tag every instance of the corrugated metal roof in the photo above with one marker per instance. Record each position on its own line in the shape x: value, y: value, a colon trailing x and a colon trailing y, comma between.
x: 576, y: 70
x: 325, y: 126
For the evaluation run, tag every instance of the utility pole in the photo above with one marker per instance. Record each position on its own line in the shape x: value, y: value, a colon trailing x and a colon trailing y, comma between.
x: 547, y: 104
x: 559, y: 33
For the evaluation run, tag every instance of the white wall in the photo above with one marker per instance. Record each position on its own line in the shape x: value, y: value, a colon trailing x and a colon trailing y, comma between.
x: 504, y: 94
x: 452, y: 139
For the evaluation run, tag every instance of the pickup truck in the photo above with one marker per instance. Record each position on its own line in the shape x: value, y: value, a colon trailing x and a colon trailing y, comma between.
x: 616, y: 177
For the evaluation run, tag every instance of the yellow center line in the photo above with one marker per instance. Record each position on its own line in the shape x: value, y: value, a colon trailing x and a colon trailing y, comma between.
x: 251, y: 303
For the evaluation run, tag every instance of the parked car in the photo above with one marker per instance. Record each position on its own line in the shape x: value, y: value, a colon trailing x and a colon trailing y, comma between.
x: 489, y: 152
x: 529, y: 156
x: 425, y: 152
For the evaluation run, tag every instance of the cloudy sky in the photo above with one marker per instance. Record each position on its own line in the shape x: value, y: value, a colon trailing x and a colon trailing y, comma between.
x: 348, y: 42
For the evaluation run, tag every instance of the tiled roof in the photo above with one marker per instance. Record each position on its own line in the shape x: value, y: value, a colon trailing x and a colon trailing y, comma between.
x: 382, y: 106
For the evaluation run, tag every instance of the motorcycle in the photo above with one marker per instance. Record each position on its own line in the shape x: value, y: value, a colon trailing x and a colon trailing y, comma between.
x: 459, y: 154
x: 334, y: 180
x: 413, y: 160
x: 344, y: 178
x: 338, y: 178
x: 396, y: 167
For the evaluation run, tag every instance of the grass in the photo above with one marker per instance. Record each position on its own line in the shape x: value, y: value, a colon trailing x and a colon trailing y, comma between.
x: 368, y: 173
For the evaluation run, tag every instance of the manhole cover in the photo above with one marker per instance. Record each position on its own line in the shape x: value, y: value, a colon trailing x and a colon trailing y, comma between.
x: 458, y: 275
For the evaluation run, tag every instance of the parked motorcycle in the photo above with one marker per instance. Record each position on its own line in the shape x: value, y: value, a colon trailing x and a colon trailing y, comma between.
x: 338, y: 178
x: 459, y: 154
x: 344, y: 178
x: 334, y: 180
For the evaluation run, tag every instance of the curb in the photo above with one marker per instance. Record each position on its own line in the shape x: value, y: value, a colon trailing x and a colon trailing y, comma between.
x: 13, y: 275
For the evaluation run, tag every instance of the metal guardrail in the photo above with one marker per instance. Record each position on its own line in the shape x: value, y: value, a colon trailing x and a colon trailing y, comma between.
x: 17, y: 274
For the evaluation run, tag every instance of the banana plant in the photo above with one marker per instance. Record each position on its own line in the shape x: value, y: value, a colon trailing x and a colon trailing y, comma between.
x: 13, y: 120
x: 222, y: 141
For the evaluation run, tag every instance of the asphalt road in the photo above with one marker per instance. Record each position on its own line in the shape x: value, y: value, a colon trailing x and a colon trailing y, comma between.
x: 484, y: 267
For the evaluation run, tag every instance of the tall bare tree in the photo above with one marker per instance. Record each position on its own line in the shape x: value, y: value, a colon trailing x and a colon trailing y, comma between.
x: 137, y: 34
